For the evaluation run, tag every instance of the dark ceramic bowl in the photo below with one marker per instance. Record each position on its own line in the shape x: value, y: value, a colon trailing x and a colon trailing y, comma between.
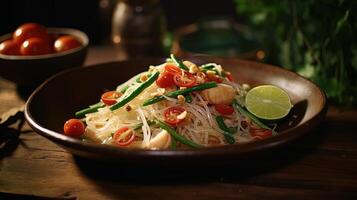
x: 32, y: 70
x: 61, y: 96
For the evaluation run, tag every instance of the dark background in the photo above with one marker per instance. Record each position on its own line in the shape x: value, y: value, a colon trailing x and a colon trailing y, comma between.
x: 90, y: 17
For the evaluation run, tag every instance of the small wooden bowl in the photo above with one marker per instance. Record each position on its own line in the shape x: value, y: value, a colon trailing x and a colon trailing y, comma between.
x: 29, y: 71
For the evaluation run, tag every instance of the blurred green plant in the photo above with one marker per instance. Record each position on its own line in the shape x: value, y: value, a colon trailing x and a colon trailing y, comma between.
x: 316, y: 38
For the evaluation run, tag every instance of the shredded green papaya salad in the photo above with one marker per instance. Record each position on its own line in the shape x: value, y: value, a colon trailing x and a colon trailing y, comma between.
x: 176, y: 104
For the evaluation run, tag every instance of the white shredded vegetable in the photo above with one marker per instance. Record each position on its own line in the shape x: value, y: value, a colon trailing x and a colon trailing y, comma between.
x: 145, y: 127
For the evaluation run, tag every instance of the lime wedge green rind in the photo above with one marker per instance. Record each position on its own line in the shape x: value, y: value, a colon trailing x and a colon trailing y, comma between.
x: 268, y: 102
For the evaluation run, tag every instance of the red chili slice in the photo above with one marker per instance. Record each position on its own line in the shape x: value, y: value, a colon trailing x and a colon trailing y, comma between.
x: 184, y: 79
x: 124, y: 140
x: 215, y: 78
x: 224, y: 109
x: 172, y: 68
x: 170, y: 115
x: 110, y: 98
x: 261, y: 133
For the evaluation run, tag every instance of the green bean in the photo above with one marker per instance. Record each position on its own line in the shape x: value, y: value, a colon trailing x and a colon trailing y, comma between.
x: 251, y: 116
x: 221, y: 124
x: 224, y: 127
x: 124, y: 86
x: 138, y: 78
x: 136, y: 92
x: 233, y: 130
x: 174, y: 94
x: 188, y: 98
x: 138, y: 126
x: 97, y: 104
x: 207, y: 66
x: 176, y: 136
x: 229, y: 138
x: 173, y: 144
x: 226, y: 131
x: 211, y: 67
x: 179, y: 63
x: 123, y: 89
x: 90, y: 109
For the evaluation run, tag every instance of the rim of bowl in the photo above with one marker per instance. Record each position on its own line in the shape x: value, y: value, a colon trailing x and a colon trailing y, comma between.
x: 57, y: 30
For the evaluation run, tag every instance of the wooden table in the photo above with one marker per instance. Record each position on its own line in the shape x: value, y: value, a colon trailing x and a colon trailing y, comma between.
x: 322, y: 165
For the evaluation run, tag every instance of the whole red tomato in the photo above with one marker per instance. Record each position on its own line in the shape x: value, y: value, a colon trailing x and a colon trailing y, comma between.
x: 9, y: 47
x: 65, y: 43
x: 74, y: 128
x: 29, y: 30
x: 166, y: 79
x: 35, y: 46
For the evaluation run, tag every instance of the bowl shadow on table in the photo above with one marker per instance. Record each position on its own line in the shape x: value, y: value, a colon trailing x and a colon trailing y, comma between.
x: 9, y: 141
x: 245, y: 169
x: 10, y: 132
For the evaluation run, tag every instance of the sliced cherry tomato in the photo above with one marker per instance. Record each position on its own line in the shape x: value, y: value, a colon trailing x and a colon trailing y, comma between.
x: 35, y: 46
x: 184, y: 79
x: 261, y: 133
x: 166, y: 79
x: 9, y: 47
x: 29, y: 30
x: 124, y: 136
x: 224, y: 109
x: 215, y: 78
x: 65, y: 43
x: 172, y: 68
x: 74, y: 128
x: 171, y: 114
x: 110, y: 98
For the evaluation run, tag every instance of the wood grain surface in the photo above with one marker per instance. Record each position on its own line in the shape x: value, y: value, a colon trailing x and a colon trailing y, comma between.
x: 319, y: 166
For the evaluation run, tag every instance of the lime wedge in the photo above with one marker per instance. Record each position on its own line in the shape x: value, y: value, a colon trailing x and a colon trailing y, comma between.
x: 268, y: 102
